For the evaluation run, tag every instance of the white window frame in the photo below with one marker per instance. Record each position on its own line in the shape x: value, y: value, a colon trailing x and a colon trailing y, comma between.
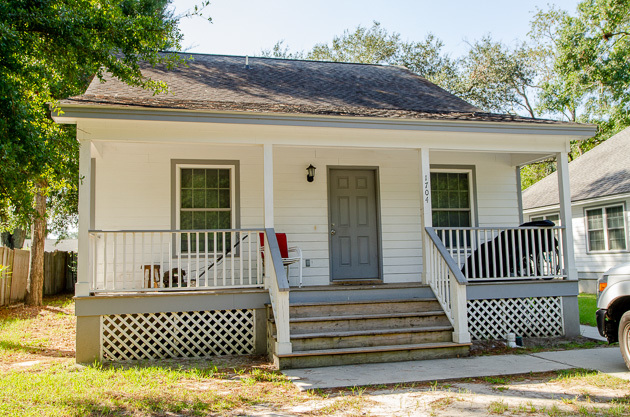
x: 471, y: 195
x: 605, y: 222
x: 178, y: 189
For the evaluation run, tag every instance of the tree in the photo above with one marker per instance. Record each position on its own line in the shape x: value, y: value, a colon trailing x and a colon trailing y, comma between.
x: 497, y: 78
x: 50, y: 49
x: 376, y: 45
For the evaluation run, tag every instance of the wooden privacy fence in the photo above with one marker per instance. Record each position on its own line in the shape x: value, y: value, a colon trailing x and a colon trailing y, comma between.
x: 13, y: 279
x: 59, y: 273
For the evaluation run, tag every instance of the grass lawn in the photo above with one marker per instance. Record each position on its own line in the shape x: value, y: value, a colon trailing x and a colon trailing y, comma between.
x: 588, y: 307
x: 38, y: 377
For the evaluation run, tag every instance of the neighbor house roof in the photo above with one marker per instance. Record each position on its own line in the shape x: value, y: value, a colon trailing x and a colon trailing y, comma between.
x: 602, y: 171
x: 270, y: 85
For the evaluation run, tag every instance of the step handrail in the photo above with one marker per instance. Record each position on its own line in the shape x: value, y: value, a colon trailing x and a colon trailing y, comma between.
x: 278, y: 285
x: 448, y: 284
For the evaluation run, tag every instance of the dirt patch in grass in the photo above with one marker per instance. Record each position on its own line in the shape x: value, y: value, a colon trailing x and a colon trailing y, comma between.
x: 37, y: 335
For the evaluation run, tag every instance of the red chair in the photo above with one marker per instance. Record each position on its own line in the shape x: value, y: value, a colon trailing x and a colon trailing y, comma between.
x: 285, y: 250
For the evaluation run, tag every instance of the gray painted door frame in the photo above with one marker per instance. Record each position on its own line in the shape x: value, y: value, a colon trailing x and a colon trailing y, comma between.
x: 375, y: 170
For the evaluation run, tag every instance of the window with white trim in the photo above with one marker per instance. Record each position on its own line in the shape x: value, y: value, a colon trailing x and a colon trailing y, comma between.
x: 451, y: 198
x: 205, y: 200
x: 606, y: 229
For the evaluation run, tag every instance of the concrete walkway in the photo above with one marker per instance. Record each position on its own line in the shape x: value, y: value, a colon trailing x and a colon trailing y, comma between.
x: 591, y: 332
x: 607, y: 360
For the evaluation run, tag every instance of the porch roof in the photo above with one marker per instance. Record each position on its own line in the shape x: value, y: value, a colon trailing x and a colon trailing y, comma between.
x: 269, y: 85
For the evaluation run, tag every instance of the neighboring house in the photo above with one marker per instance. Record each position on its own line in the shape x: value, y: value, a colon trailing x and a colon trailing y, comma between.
x: 600, y: 197
x: 181, y: 192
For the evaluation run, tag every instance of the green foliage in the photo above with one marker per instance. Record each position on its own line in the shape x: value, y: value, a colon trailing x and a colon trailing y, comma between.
x: 375, y: 45
x: 50, y: 49
x: 497, y: 78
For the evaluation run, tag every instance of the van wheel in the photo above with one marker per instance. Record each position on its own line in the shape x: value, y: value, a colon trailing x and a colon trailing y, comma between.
x: 624, y: 337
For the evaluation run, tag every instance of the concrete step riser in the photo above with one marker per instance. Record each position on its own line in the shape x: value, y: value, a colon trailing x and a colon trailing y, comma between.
x: 369, y: 308
x: 371, y: 357
x: 368, y: 324
x: 370, y: 340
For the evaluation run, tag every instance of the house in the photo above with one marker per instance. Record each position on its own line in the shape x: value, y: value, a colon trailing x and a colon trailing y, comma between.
x: 600, y: 194
x: 183, y: 193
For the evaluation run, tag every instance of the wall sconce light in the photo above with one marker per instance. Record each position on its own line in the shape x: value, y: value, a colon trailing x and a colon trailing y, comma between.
x: 310, y: 173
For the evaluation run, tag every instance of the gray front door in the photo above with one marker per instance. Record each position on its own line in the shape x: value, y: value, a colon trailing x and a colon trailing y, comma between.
x: 354, y: 246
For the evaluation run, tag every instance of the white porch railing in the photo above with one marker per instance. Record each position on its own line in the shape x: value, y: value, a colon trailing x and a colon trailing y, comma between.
x: 147, y: 260
x: 506, y: 253
x: 448, y: 284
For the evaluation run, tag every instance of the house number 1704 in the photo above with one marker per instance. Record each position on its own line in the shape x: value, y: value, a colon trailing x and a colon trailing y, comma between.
x: 427, y: 189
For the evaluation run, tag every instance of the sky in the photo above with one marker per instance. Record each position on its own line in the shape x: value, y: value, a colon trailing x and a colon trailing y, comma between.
x: 246, y: 27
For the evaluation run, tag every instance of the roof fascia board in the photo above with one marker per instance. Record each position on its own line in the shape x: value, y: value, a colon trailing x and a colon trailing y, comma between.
x: 578, y: 203
x: 71, y: 113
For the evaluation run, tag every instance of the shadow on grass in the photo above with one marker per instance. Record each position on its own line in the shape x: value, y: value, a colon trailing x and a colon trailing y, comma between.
x: 42, y: 351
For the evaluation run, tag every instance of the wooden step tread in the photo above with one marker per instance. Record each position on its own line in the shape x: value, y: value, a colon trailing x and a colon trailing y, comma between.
x: 373, y: 349
x: 364, y: 316
x: 349, y: 333
x: 333, y: 303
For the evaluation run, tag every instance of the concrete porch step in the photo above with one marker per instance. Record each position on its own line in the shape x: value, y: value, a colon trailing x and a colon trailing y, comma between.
x: 322, y: 309
x: 371, y: 354
x: 371, y: 337
x: 367, y: 321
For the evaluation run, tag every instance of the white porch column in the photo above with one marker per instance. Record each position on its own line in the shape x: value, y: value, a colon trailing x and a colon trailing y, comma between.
x: 564, y: 191
x: 427, y: 218
x: 268, y: 184
x: 84, y: 272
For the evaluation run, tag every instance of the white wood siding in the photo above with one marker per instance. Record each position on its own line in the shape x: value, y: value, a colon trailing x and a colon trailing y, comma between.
x: 133, y: 191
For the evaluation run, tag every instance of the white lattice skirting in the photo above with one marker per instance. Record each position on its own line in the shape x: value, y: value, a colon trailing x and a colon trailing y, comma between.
x: 188, y: 334
x: 529, y: 317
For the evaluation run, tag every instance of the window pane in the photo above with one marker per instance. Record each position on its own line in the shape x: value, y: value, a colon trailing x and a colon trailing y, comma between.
x: 199, y: 178
x: 199, y: 220
x: 212, y: 178
x: 224, y: 198
x: 596, y: 240
x: 614, y: 217
x: 453, y: 199
x: 616, y: 239
x: 185, y: 220
x: 453, y: 181
x: 464, y: 201
x: 463, y: 182
x: 199, y: 199
x: 186, y: 178
x: 225, y: 220
x: 595, y: 219
x: 224, y: 178
x: 187, y: 199
x: 464, y: 219
x: 212, y: 220
x: 536, y: 219
x: 212, y: 198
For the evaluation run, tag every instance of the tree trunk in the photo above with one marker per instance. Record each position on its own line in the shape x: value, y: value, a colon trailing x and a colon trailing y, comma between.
x: 38, y: 236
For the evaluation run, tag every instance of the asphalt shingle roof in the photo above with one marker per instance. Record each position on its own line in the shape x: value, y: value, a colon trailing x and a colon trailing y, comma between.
x: 602, y: 171
x: 219, y: 82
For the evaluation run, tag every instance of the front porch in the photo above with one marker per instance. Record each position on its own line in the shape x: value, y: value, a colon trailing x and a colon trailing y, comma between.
x: 156, y: 291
